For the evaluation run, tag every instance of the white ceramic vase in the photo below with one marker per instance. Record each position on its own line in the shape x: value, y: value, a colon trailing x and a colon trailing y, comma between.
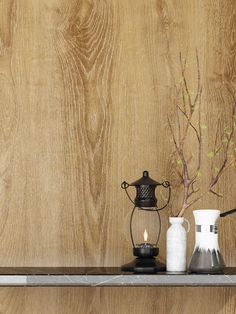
x: 176, y: 245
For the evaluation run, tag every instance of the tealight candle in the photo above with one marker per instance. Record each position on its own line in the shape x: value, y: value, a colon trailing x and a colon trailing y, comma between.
x: 145, y: 249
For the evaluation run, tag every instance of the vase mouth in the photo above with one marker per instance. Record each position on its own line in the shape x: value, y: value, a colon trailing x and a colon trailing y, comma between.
x: 206, y: 216
x: 207, y: 210
x: 177, y: 220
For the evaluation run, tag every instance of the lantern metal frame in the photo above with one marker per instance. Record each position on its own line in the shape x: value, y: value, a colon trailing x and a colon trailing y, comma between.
x: 145, y: 194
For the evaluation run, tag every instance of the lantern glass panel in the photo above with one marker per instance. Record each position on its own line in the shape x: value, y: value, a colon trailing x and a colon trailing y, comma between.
x: 145, y: 226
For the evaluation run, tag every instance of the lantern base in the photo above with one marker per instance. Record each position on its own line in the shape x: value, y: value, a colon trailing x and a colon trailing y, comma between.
x: 144, y: 266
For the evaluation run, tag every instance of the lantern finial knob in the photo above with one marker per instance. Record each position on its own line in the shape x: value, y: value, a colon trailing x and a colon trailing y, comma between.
x: 145, y: 174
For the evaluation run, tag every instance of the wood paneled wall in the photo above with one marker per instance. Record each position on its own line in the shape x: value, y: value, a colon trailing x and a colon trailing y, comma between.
x: 117, y: 300
x: 85, y: 87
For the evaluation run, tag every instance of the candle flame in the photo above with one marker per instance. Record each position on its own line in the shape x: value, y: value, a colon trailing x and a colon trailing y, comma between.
x: 145, y: 235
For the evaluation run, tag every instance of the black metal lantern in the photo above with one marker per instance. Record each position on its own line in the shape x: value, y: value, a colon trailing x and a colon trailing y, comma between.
x: 145, y: 202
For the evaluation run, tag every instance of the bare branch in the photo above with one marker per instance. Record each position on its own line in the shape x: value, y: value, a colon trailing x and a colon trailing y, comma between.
x: 215, y: 193
x: 193, y: 189
x: 198, y: 81
x: 173, y: 134
x: 180, y: 175
x: 199, y: 130
x: 190, y: 123
x: 187, y: 109
x: 178, y: 122
x: 183, y: 65
x: 225, y: 163
x: 184, y: 102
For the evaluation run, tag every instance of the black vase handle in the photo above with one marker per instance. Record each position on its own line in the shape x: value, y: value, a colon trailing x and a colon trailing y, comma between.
x: 229, y: 212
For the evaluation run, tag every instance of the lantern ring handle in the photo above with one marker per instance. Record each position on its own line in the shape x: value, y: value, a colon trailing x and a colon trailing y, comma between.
x: 124, y: 185
x: 166, y: 184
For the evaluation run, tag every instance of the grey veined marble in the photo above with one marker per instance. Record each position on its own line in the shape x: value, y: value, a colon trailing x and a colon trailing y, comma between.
x: 79, y: 276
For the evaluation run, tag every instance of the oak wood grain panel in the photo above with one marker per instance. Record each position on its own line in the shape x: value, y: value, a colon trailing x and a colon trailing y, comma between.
x: 85, y: 88
x: 117, y: 300
x: 85, y: 44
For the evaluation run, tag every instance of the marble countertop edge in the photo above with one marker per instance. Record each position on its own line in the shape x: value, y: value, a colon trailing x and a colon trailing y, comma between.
x: 130, y: 280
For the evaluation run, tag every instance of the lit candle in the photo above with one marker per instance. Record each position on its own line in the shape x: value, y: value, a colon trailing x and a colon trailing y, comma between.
x: 145, y: 249
x: 145, y: 235
x: 145, y: 238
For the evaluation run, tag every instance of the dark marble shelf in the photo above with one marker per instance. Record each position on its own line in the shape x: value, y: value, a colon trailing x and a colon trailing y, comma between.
x: 106, y: 276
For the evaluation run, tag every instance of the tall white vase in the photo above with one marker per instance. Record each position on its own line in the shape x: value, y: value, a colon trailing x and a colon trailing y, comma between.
x: 206, y: 257
x: 176, y: 245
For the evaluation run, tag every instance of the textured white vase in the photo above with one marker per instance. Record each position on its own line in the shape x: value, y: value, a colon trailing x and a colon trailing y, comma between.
x: 176, y: 245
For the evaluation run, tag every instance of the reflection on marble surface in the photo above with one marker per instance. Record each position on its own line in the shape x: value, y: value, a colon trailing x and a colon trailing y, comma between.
x: 89, y: 276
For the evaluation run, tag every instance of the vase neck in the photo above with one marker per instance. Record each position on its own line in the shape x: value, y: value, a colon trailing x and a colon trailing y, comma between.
x: 176, y: 220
